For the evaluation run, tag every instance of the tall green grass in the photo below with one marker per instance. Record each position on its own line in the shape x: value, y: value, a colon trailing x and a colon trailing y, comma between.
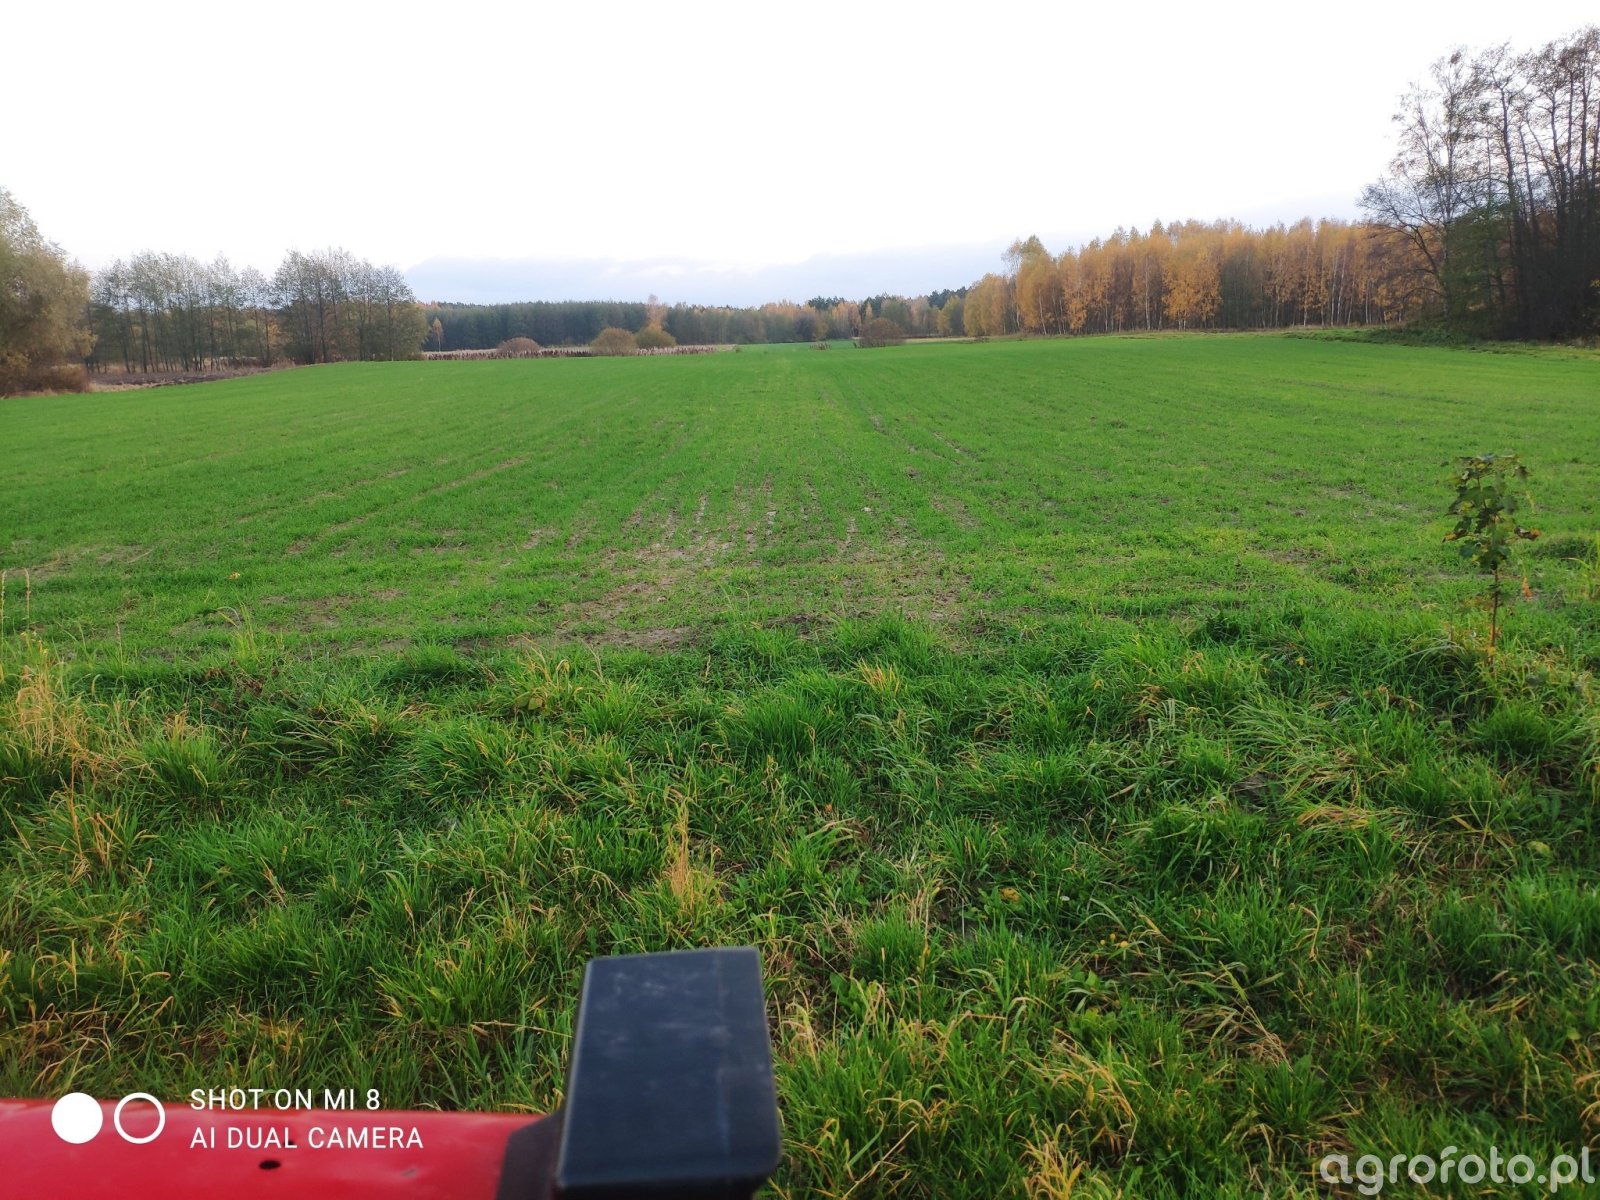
x: 1093, y: 737
x: 1130, y: 904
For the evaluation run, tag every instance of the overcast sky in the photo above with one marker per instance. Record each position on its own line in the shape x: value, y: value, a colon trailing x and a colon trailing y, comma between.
x: 704, y: 152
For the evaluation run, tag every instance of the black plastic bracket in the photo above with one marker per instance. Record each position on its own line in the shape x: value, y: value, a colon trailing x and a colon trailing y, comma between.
x: 669, y: 1086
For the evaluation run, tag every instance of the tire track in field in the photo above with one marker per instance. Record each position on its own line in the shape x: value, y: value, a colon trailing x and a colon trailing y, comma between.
x: 509, y: 464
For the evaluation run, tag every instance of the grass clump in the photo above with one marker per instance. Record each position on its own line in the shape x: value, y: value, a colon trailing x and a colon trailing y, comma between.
x: 185, y: 764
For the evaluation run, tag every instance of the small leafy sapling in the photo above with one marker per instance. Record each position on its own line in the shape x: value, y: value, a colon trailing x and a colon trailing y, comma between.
x: 1489, y: 488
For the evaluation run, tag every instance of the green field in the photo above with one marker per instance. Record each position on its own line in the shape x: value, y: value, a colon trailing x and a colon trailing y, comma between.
x: 1094, y: 735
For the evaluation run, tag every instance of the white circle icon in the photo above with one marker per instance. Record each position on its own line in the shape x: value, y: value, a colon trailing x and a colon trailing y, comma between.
x: 161, y: 1118
x: 76, y: 1118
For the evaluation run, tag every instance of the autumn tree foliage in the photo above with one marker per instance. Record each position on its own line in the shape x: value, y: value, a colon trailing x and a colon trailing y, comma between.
x: 950, y: 318
x: 653, y: 337
x: 881, y: 331
x: 614, y: 343
x: 1036, y: 293
x: 1198, y: 275
x: 988, y: 311
x: 42, y: 299
x: 1193, y: 284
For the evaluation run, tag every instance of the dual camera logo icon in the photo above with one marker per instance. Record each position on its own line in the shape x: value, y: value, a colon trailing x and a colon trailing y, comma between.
x: 77, y: 1118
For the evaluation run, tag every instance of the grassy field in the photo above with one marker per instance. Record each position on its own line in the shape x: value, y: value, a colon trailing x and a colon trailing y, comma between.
x: 1094, y: 736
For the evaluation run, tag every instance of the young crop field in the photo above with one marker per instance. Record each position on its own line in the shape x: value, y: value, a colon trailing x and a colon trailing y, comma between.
x: 1095, y: 737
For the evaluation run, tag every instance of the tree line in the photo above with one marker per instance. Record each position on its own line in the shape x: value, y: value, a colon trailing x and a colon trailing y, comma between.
x: 165, y: 312
x: 1495, y: 188
x: 1197, y: 275
x: 1186, y: 275
x: 822, y: 318
x: 1487, y: 221
x: 548, y: 322
x: 579, y: 322
x: 171, y: 312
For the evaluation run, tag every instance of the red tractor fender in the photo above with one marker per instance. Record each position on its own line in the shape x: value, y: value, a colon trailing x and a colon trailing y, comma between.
x: 202, y: 1155
x: 669, y: 1095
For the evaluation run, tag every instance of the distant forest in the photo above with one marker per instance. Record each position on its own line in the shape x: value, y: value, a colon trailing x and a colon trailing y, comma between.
x: 579, y: 322
x: 1221, y: 275
x: 1486, y: 223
